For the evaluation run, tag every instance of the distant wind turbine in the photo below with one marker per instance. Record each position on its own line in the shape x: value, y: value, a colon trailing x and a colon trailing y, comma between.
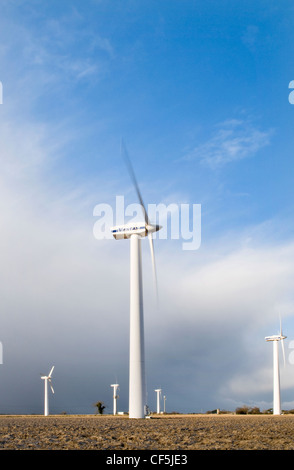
x: 115, y: 397
x: 276, y: 369
x: 136, y: 231
x: 158, y: 392
x: 47, y: 378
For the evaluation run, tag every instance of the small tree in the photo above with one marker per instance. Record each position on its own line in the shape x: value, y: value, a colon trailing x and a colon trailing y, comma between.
x: 100, y: 407
x: 242, y: 410
x: 254, y: 411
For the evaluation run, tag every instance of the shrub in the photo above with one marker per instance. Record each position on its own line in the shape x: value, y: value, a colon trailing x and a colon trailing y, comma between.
x: 242, y: 410
x: 246, y: 410
x: 100, y: 407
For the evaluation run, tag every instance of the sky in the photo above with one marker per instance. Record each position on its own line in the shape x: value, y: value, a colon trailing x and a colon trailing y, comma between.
x: 199, y: 91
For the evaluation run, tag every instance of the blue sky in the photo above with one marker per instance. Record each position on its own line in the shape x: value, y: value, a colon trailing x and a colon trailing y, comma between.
x: 199, y: 92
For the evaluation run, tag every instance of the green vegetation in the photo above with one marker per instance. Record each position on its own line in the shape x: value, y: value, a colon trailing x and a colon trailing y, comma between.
x: 246, y: 410
x: 100, y: 407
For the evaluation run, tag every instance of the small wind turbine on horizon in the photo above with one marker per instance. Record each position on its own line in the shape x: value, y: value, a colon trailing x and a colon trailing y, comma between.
x: 158, y: 392
x: 276, y: 368
x: 47, y: 378
x: 135, y: 232
x: 115, y: 397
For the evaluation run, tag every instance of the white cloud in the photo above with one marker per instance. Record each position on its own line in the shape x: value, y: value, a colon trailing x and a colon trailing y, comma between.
x: 62, y: 53
x: 234, y: 284
x: 256, y: 383
x: 233, y: 140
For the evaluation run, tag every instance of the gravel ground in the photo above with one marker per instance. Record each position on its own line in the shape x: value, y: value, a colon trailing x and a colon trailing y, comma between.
x: 169, y: 432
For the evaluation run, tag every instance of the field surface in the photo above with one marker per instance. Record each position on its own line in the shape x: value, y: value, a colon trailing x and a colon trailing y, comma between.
x: 168, y: 432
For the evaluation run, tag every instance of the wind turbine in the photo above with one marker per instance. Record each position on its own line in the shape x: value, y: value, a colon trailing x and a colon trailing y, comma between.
x: 115, y: 397
x: 47, y: 378
x: 158, y: 392
x: 276, y: 370
x: 135, y: 232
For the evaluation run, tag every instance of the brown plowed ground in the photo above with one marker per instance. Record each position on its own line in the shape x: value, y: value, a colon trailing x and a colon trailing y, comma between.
x: 168, y: 432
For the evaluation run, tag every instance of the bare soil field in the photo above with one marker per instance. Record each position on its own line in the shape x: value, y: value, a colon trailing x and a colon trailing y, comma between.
x: 167, y: 432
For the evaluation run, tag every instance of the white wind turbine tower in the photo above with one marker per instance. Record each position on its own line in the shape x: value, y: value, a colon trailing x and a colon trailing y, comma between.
x: 158, y: 392
x: 134, y: 232
x: 115, y: 397
x: 276, y: 370
x: 47, y: 378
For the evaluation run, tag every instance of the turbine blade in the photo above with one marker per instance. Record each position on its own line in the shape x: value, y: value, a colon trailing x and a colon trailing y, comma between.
x: 50, y: 373
x: 153, y: 264
x: 51, y: 386
x: 133, y: 177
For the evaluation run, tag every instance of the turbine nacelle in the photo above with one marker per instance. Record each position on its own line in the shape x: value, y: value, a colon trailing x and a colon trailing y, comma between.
x: 278, y: 337
x: 126, y: 231
x: 275, y: 338
x: 115, y: 388
x: 48, y: 378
